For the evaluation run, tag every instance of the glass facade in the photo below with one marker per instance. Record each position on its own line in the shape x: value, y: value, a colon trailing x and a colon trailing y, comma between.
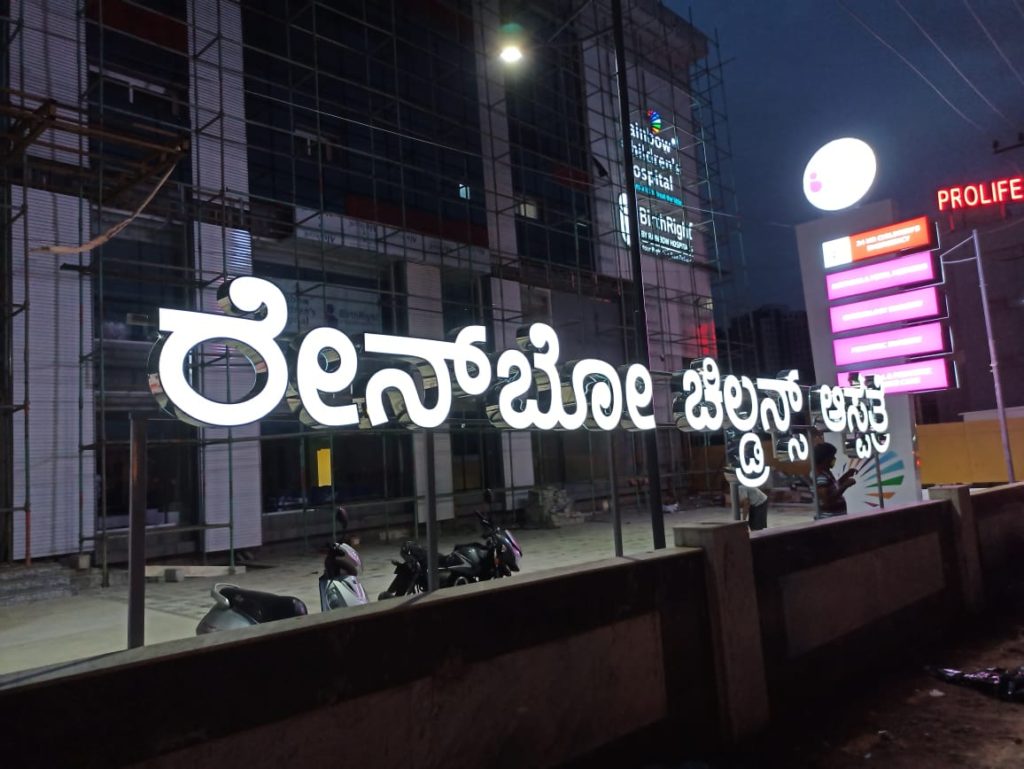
x: 379, y: 164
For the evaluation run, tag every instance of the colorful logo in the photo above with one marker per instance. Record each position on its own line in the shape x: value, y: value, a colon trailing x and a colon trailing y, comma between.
x: 882, y: 476
x: 654, y: 121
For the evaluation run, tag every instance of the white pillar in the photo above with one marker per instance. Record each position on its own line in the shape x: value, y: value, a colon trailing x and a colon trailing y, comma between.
x: 47, y: 61
x: 230, y: 476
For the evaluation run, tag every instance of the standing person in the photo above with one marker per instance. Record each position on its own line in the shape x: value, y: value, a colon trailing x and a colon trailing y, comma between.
x: 830, y: 489
x: 753, y: 503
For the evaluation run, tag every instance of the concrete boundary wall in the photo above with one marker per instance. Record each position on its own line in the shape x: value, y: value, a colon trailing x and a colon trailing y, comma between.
x: 838, y: 597
x: 530, y: 671
x: 999, y: 518
x: 689, y: 645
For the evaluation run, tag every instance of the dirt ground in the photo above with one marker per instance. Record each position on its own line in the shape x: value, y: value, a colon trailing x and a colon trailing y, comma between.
x: 912, y: 719
x: 905, y: 718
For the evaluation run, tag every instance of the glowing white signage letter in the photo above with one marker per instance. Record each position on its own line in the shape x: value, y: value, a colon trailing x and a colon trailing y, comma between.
x: 254, y: 338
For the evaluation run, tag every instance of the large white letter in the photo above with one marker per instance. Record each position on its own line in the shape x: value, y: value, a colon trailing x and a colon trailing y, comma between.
x: 312, y: 379
x: 255, y: 339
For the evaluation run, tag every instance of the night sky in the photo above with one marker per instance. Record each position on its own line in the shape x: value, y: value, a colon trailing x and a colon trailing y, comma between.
x: 799, y: 73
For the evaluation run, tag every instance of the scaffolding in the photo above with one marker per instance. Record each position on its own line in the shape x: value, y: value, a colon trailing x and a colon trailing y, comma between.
x: 381, y: 165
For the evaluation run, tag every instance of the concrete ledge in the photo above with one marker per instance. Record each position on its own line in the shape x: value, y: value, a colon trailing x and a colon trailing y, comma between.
x: 735, y: 628
x: 538, y: 670
x: 839, y: 596
x: 967, y: 543
x: 999, y: 520
x: 529, y: 671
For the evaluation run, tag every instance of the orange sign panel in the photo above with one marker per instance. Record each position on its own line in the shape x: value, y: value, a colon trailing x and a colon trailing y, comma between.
x: 913, y: 233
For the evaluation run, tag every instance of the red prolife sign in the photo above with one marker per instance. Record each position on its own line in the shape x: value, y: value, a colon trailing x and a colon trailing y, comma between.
x: 981, y: 194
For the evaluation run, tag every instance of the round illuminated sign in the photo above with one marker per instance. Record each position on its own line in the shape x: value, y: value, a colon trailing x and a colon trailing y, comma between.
x: 839, y: 174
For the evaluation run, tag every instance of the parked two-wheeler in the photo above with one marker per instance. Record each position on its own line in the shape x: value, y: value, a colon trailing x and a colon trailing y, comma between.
x: 237, y: 607
x: 497, y: 556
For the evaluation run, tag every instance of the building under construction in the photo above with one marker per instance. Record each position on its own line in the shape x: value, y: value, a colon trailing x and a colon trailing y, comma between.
x: 381, y: 163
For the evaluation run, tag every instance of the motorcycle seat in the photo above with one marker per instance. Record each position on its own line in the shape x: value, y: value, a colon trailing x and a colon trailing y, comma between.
x: 447, y: 561
x: 259, y: 606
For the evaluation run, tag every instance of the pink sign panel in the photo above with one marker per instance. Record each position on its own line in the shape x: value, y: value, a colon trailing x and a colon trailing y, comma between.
x: 898, y: 343
x: 918, y: 304
x: 913, y: 377
x: 905, y: 271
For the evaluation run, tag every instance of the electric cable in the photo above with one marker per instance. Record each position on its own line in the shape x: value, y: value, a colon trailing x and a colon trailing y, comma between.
x: 910, y: 64
x: 995, y: 45
x: 951, y: 63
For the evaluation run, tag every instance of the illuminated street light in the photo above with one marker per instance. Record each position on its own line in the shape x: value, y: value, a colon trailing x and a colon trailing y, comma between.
x: 510, y: 54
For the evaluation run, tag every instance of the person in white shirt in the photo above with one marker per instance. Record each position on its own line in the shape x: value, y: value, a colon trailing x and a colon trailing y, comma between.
x: 753, y: 503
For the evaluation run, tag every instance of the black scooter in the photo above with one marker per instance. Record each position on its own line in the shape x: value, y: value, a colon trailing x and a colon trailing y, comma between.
x: 497, y: 556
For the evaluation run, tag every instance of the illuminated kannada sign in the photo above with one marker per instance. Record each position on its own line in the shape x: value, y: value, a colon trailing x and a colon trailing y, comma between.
x: 524, y: 388
x: 897, y: 273
x: 913, y: 233
x: 919, y: 376
x: 981, y: 194
x: 918, y: 304
x: 898, y: 343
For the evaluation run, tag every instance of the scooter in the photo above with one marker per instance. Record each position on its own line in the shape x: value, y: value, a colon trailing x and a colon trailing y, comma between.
x: 497, y: 556
x: 237, y: 607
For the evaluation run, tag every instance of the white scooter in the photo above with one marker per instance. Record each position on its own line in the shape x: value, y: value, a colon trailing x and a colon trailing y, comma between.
x: 237, y: 607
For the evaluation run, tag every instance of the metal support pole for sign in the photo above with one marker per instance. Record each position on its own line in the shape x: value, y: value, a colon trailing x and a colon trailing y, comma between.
x: 640, y: 310
x: 1000, y: 407
x: 431, y: 516
x: 137, y: 534
x: 613, y: 497
x: 734, y: 499
x: 814, y: 477
x: 878, y: 480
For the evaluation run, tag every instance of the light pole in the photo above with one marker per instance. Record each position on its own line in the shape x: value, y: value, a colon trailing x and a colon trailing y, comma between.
x: 640, y: 309
x: 512, y: 53
x: 986, y: 313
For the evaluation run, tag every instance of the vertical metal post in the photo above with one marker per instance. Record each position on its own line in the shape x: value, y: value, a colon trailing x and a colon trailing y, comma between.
x: 431, y: 516
x: 814, y: 474
x: 734, y: 499
x: 613, y: 500
x: 137, y: 535
x: 878, y: 480
x: 1000, y: 407
x: 640, y: 311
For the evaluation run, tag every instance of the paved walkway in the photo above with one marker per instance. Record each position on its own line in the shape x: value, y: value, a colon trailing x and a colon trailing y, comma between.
x: 95, y: 621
